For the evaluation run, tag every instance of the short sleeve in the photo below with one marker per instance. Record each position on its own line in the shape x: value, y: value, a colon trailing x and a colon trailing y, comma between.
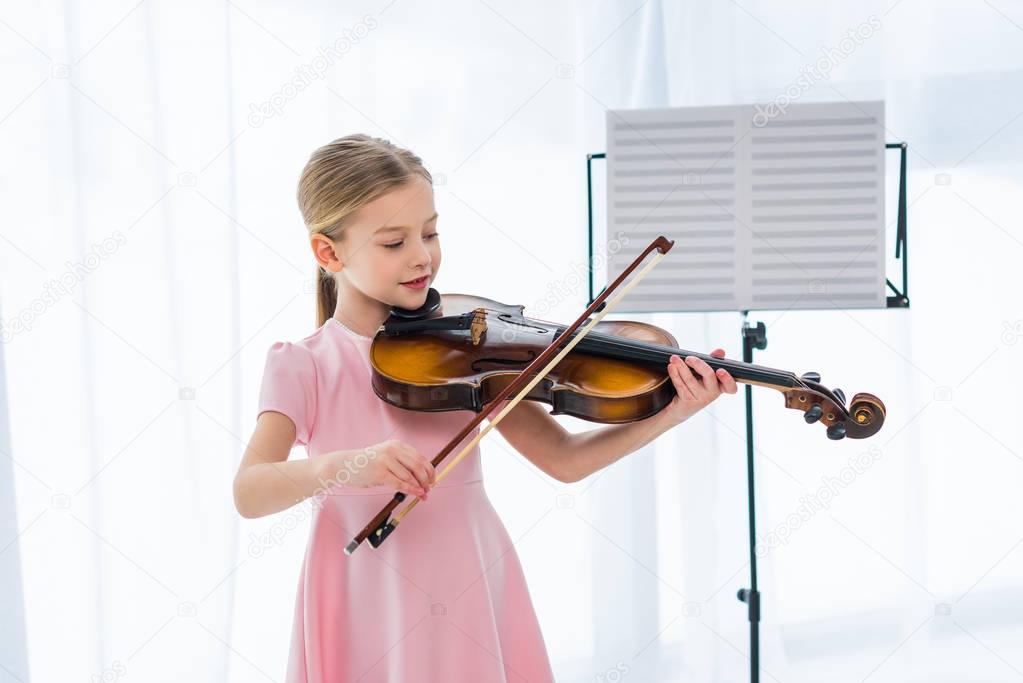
x: 289, y: 387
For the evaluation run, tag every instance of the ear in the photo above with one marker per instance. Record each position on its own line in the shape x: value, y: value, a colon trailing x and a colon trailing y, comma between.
x: 325, y: 253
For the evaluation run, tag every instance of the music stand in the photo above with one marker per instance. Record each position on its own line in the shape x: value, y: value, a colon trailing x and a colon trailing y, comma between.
x: 755, y: 337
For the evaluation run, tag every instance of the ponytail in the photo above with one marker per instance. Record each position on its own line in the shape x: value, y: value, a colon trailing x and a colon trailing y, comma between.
x: 326, y: 296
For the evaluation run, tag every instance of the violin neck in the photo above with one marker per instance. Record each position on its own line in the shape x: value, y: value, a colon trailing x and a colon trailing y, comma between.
x: 611, y: 346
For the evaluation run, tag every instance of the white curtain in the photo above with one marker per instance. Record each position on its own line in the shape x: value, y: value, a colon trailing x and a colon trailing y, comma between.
x: 13, y: 652
x: 151, y: 250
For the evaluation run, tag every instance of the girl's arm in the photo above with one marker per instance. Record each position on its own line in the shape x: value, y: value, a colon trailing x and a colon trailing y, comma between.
x: 569, y: 457
x: 266, y: 481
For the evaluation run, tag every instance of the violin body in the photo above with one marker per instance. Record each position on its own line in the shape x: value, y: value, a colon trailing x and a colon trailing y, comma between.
x: 442, y: 370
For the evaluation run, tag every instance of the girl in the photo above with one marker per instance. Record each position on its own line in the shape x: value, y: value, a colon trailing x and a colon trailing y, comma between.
x: 445, y: 599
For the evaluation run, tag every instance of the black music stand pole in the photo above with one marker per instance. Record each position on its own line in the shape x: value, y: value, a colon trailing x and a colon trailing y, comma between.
x: 753, y: 337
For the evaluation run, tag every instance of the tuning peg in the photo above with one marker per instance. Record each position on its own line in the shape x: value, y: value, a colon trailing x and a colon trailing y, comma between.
x: 836, y: 431
x: 811, y: 376
x: 840, y: 395
x: 813, y: 414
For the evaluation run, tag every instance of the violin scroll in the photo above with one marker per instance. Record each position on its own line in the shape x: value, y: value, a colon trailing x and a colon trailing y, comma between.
x: 863, y: 417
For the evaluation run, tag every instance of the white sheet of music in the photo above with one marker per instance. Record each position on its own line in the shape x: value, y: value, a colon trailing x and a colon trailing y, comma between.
x: 768, y: 209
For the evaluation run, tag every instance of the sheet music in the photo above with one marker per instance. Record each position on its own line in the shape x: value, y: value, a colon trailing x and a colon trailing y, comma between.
x: 768, y: 209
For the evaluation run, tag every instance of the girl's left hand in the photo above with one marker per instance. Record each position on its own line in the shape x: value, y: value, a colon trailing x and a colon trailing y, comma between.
x: 697, y: 385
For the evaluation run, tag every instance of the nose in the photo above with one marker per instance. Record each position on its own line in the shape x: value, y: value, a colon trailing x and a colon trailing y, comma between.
x: 422, y: 256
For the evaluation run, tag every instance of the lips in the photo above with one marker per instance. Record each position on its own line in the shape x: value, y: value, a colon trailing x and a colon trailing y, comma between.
x: 417, y: 281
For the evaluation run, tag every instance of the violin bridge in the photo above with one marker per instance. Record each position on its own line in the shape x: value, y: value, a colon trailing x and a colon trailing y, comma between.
x: 478, y: 326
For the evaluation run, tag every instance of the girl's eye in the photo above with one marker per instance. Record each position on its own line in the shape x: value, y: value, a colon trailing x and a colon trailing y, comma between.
x: 395, y: 245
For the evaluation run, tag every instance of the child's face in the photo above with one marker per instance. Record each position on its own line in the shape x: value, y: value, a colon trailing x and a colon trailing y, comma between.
x: 393, y: 240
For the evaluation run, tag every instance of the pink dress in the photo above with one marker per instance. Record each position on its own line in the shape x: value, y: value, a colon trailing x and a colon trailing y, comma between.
x: 444, y: 597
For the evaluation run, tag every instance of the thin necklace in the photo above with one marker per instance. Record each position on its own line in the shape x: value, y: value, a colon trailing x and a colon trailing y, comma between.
x: 351, y: 330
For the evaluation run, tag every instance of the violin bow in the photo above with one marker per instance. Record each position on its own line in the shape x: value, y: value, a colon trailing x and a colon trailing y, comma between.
x: 381, y: 526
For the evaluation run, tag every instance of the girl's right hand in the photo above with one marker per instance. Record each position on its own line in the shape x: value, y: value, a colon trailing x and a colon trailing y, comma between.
x: 388, y: 463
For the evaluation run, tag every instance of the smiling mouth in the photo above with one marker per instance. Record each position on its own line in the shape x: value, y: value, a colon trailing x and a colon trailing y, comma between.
x: 416, y: 281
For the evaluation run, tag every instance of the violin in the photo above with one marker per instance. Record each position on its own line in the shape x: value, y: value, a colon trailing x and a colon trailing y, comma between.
x: 463, y: 352
x: 458, y: 352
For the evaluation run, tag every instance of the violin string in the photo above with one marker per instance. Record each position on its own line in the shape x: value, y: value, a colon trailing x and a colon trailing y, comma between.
x: 660, y: 353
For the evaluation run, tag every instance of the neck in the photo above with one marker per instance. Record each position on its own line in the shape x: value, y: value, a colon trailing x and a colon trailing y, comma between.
x: 360, y: 313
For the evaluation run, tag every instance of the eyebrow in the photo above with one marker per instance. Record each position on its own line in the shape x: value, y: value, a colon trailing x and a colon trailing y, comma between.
x: 402, y: 227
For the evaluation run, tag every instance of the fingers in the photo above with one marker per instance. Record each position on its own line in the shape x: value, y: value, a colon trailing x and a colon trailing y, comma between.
x: 407, y: 482
x: 685, y: 383
x: 420, y: 468
x: 727, y: 381
x: 695, y: 379
x: 728, y: 384
x: 707, y: 375
x: 676, y: 379
x: 407, y: 477
x: 400, y: 485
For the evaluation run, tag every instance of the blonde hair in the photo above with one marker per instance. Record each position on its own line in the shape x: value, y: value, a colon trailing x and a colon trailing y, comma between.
x: 339, y: 179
